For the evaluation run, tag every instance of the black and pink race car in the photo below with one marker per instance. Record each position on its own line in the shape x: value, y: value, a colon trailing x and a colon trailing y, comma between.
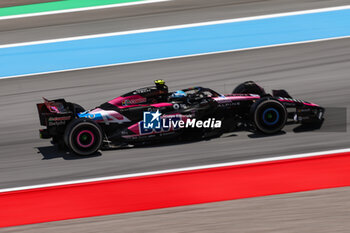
x: 195, y: 112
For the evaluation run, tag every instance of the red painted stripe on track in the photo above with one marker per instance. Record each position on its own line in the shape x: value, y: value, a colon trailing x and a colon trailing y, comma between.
x: 173, y: 189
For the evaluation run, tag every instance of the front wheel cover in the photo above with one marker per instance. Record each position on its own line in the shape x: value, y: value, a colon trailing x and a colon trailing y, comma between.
x: 84, y: 137
x: 270, y: 116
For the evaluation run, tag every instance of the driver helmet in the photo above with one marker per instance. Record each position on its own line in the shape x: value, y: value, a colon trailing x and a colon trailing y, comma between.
x: 178, y: 94
x: 160, y: 84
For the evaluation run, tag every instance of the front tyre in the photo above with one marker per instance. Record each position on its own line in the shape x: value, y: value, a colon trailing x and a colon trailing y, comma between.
x: 269, y: 116
x: 83, y: 137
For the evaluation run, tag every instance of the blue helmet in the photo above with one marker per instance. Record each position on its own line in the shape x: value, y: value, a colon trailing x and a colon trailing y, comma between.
x: 179, y: 94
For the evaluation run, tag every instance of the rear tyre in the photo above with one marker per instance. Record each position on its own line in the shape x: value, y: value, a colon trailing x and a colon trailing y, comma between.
x: 83, y: 137
x: 269, y: 116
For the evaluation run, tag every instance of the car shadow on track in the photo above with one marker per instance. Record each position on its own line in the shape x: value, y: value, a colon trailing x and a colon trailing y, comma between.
x: 173, y: 142
x: 53, y: 152
x: 261, y: 135
x: 308, y: 127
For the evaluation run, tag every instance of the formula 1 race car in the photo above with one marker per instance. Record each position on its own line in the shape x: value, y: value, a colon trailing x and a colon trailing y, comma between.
x: 152, y: 113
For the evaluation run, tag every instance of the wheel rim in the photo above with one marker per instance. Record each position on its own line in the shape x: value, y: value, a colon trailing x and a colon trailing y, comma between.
x: 271, y: 116
x: 85, y: 138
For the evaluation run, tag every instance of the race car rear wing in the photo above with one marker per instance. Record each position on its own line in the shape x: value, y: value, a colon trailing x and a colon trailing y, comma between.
x: 54, y: 112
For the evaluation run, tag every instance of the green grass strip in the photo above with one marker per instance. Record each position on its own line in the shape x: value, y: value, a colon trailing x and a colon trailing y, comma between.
x: 59, y: 5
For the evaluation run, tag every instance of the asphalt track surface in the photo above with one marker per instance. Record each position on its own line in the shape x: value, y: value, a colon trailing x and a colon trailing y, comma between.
x: 320, y: 211
x: 317, y: 72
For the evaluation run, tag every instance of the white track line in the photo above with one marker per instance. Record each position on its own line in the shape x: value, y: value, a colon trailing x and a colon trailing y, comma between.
x: 175, y: 57
x: 81, y: 9
x: 218, y: 165
x: 178, y: 26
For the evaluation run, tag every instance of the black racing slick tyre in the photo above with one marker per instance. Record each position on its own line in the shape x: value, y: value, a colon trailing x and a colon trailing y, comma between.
x: 83, y: 137
x: 269, y: 115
